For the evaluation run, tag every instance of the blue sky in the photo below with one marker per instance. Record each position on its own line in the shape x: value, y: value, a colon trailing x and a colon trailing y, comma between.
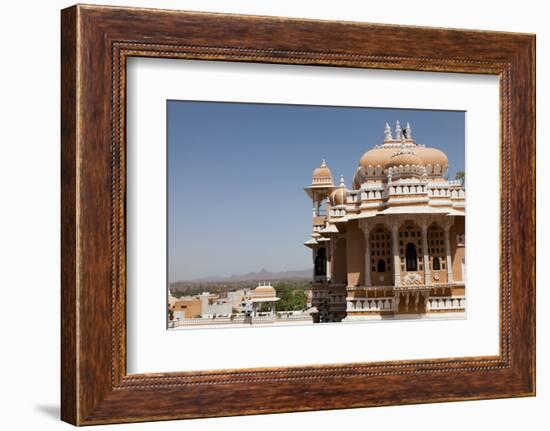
x: 236, y: 173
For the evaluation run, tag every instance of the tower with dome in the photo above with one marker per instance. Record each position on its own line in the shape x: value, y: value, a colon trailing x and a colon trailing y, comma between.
x: 392, y: 245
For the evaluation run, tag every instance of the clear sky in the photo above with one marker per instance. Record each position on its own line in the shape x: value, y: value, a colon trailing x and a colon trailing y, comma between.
x: 236, y: 173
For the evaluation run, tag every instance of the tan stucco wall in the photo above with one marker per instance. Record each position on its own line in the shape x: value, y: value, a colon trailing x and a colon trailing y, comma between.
x: 340, y: 264
x: 442, y: 273
x: 458, y: 291
x: 375, y: 277
x: 355, y: 249
x: 192, y: 307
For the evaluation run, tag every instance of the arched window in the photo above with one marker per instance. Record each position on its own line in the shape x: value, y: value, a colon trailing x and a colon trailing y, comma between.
x: 410, y: 256
x: 381, y: 266
x: 435, y: 265
x: 321, y: 262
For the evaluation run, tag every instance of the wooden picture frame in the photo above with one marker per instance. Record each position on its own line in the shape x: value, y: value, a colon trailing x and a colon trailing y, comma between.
x: 95, y: 43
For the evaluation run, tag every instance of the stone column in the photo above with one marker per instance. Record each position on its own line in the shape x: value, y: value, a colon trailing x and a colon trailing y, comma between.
x: 395, y: 251
x: 367, y: 264
x: 330, y: 257
x: 313, y: 256
x: 448, y: 253
x: 427, y: 270
x: 396, y: 300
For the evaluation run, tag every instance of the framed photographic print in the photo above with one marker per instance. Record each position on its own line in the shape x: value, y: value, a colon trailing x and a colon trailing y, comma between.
x: 329, y: 214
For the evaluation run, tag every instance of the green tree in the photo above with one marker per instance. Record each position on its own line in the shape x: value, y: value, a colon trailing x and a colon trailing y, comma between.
x: 460, y: 176
x: 290, y: 298
x: 299, y: 299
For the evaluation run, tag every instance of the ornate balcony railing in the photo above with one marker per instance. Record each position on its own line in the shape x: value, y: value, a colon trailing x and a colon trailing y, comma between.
x: 369, y: 304
x: 454, y: 303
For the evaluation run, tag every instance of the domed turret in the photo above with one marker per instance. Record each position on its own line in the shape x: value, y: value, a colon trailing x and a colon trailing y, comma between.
x: 339, y: 195
x: 404, y: 159
x: 322, y: 175
x: 398, y: 149
x: 376, y: 157
x: 375, y: 160
x: 433, y: 156
x: 264, y: 290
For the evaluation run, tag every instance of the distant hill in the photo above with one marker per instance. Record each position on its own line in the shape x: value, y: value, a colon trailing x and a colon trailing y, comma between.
x: 300, y: 279
x: 262, y: 275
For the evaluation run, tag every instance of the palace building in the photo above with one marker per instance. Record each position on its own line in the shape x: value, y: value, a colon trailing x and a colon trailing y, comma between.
x: 391, y: 246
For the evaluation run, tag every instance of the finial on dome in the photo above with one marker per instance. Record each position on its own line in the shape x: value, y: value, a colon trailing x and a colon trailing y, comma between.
x: 323, y: 163
x: 387, y: 133
x: 408, y: 131
x: 342, y: 183
x: 398, y: 132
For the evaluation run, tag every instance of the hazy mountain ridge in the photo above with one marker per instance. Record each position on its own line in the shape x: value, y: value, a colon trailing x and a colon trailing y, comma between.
x: 262, y: 275
x: 298, y: 279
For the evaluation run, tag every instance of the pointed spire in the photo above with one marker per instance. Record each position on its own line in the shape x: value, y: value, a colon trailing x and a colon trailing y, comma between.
x: 387, y: 133
x: 398, y: 133
x: 408, y: 131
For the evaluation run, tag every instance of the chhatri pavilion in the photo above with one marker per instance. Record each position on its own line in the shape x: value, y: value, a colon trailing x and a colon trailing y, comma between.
x: 392, y: 245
